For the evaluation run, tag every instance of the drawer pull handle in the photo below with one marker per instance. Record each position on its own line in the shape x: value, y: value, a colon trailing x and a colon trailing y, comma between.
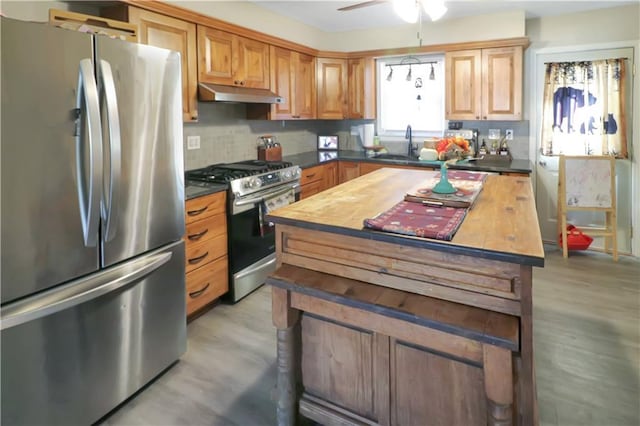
x: 311, y: 175
x: 198, y: 293
x: 198, y: 259
x: 197, y: 212
x: 197, y: 236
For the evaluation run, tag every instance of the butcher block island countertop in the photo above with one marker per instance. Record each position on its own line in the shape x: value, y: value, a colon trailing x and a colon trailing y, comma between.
x: 382, y: 328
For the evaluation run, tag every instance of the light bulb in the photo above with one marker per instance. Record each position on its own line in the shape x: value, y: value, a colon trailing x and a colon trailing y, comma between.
x: 409, y: 74
x: 408, y: 10
x: 390, y: 74
x: 432, y: 74
x: 434, y: 8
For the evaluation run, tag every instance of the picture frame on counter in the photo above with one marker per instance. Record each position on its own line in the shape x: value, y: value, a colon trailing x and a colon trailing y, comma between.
x: 328, y: 143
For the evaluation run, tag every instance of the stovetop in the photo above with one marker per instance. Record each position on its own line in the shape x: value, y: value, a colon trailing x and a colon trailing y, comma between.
x: 227, y: 172
x: 247, y: 177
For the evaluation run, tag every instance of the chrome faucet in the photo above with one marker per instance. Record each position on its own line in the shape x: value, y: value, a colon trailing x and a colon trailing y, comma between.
x: 408, y: 135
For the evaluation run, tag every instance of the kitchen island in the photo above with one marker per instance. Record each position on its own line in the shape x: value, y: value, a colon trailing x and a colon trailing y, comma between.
x: 381, y: 328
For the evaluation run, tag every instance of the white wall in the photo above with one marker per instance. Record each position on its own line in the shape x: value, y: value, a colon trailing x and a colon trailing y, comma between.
x: 39, y: 10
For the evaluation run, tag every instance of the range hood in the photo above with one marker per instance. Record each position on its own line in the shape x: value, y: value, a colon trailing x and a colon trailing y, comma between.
x: 218, y: 93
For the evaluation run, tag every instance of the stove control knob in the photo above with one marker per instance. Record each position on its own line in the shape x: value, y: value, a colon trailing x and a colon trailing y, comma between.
x: 255, y: 183
x: 287, y: 174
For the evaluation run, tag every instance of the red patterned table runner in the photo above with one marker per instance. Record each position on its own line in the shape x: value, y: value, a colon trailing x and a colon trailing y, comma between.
x: 418, y: 220
x: 428, y: 221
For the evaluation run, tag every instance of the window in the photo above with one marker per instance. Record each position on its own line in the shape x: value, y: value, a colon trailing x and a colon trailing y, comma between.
x: 411, y: 92
x: 584, y: 108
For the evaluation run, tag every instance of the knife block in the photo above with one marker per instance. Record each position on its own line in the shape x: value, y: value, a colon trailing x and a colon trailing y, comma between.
x: 270, y: 154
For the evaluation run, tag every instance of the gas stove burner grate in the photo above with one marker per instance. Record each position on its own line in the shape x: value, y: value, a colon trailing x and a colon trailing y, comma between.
x: 225, y: 173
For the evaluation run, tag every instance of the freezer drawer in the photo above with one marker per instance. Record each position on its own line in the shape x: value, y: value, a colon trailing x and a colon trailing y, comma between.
x: 77, y: 352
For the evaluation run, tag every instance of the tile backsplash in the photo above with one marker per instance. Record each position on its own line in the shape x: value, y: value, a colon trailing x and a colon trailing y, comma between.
x: 227, y: 136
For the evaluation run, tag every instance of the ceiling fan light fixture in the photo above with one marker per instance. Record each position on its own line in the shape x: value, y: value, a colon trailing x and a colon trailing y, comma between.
x: 408, y: 10
x: 434, y: 8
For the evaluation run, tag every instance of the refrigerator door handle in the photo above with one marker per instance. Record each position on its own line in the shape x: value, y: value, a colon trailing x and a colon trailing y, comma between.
x: 110, y: 197
x: 80, y: 291
x: 89, y: 186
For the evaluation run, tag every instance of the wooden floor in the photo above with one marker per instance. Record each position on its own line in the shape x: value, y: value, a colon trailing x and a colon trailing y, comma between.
x: 586, y: 339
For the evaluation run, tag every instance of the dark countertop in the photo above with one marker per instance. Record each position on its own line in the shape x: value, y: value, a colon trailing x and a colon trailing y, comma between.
x: 314, y: 158
x: 195, y: 189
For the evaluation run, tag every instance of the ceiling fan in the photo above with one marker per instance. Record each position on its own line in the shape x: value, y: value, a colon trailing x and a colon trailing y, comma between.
x: 408, y: 10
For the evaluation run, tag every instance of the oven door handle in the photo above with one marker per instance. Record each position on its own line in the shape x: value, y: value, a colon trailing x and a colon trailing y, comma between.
x: 262, y: 197
x: 255, y: 268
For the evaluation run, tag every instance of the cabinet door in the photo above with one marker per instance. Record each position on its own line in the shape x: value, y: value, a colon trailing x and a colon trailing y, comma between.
x: 361, y: 99
x: 330, y: 176
x: 170, y: 33
x: 305, y: 86
x: 463, y: 85
x: 370, y: 167
x: 283, y: 82
x: 253, y: 63
x: 348, y: 170
x: 215, y: 56
x: 332, y: 88
x: 502, y: 83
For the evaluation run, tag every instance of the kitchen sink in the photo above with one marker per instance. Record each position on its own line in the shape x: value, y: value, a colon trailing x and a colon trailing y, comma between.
x: 394, y: 157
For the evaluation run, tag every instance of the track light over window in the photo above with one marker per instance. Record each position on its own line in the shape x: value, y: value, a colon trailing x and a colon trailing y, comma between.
x: 432, y: 74
x: 390, y: 76
x: 409, y: 74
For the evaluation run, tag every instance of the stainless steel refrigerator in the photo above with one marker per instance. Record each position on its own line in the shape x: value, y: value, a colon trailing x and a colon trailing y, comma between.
x: 92, y: 258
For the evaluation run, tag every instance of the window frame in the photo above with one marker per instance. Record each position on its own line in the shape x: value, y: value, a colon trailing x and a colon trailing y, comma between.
x: 381, y: 74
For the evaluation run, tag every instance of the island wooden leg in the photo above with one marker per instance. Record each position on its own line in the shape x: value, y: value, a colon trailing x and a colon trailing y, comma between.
x: 527, y: 380
x: 498, y: 385
x: 286, y: 320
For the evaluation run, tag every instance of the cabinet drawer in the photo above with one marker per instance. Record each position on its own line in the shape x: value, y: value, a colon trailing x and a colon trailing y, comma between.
x: 206, y: 284
x: 206, y: 229
x: 201, y: 207
x: 312, y: 174
x: 203, y: 252
x: 310, y: 189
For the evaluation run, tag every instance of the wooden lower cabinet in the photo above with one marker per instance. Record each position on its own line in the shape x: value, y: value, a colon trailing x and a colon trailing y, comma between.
x: 318, y: 178
x: 330, y: 176
x: 206, y: 262
x: 348, y: 170
x: 374, y: 355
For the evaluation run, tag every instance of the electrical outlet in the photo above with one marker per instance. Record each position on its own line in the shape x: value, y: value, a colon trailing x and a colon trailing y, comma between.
x: 494, y: 133
x: 509, y: 134
x: 193, y: 142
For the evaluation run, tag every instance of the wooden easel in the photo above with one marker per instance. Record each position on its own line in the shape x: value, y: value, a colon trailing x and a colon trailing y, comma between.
x: 588, y: 183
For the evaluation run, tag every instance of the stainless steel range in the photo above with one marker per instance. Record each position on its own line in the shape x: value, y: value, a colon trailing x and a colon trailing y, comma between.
x: 255, y: 188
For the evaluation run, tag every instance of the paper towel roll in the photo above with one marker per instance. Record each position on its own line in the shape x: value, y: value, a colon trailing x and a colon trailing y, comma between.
x: 369, y: 132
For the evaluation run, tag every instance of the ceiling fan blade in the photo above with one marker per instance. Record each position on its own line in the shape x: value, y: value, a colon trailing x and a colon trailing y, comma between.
x: 363, y: 4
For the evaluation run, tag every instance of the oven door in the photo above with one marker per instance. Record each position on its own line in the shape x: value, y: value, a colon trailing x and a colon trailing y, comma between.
x: 251, y: 241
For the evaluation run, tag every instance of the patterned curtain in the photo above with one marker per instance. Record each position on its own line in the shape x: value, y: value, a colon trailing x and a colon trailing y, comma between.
x: 583, y: 110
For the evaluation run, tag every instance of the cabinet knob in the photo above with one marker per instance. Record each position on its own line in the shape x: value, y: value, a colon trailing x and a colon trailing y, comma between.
x: 484, y: 118
x: 477, y: 117
x: 242, y: 83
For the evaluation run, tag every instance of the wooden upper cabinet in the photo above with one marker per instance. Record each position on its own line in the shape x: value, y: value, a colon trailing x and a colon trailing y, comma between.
x: 293, y: 77
x: 170, y: 33
x: 332, y: 88
x: 502, y: 92
x: 361, y: 99
x: 484, y: 84
x: 463, y: 85
x: 232, y: 60
x: 305, y: 85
